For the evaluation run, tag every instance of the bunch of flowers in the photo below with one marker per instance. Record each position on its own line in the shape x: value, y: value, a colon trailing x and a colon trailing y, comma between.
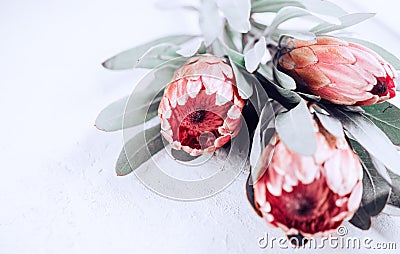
x: 324, y: 139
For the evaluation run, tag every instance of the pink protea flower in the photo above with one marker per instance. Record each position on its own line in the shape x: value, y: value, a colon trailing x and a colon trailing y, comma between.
x: 341, y: 72
x: 201, y: 108
x: 309, y: 195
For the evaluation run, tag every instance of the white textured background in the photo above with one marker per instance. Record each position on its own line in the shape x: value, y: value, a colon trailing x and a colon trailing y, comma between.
x: 58, y: 189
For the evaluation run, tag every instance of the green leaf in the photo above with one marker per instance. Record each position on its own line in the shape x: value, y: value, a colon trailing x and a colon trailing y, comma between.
x: 234, y: 56
x: 129, y: 58
x: 237, y: 12
x: 287, y: 98
x: 191, y: 47
x: 283, y: 35
x: 394, y: 198
x: 139, y: 149
x: 389, y: 57
x: 361, y: 219
x: 283, y: 79
x: 112, y: 117
x: 296, y: 129
x: 211, y: 22
x: 317, y: 6
x: 331, y: 124
x: 273, y: 5
x: 157, y: 55
x: 370, y: 137
x: 387, y: 117
x: 264, y: 132
x: 291, y: 12
x: 324, y: 7
x: 244, y: 80
x: 376, y: 189
x: 345, y: 21
x: 232, y: 38
x: 250, y: 194
x: 253, y: 57
x: 181, y: 155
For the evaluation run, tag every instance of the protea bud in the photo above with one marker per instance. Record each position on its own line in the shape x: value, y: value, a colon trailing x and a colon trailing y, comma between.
x: 201, y: 108
x: 309, y: 195
x: 341, y: 72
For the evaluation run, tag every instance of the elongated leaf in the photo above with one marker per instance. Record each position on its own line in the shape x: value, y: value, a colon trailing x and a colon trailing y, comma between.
x: 393, y: 182
x: 392, y: 59
x: 282, y: 35
x: 211, y: 22
x: 287, y: 98
x: 237, y: 12
x: 317, y: 6
x: 244, y: 80
x: 295, y: 128
x: 345, y: 21
x: 376, y: 189
x: 138, y: 150
x: 181, y: 155
x: 370, y: 137
x: 253, y: 57
x: 152, y: 85
x: 323, y: 7
x: 191, y: 47
x: 158, y: 55
x: 111, y: 118
x: 256, y: 149
x: 129, y: 58
x: 284, y: 80
x: 234, y: 56
x: 273, y: 5
x: 250, y: 194
x: 232, y: 38
x: 263, y: 134
x: 361, y: 219
x: 331, y: 124
x: 291, y: 12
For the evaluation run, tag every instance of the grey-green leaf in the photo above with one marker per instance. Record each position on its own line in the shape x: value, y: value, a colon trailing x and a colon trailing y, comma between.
x: 331, y: 124
x: 370, y: 137
x: 361, y: 219
x: 295, y: 128
x: 112, y: 117
x: 273, y: 5
x: 283, y: 79
x: 289, y: 99
x: 142, y: 104
x: 345, y: 21
x: 376, y: 189
x: 291, y: 12
x: 181, y: 155
x: 190, y: 47
x: 157, y: 55
x: 129, y: 58
x: 244, y: 80
x: 387, y: 117
x: 138, y: 150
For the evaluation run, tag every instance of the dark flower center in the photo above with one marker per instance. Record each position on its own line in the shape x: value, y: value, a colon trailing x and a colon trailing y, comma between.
x: 197, y: 116
x: 303, y: 206
x: 380, y: 88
